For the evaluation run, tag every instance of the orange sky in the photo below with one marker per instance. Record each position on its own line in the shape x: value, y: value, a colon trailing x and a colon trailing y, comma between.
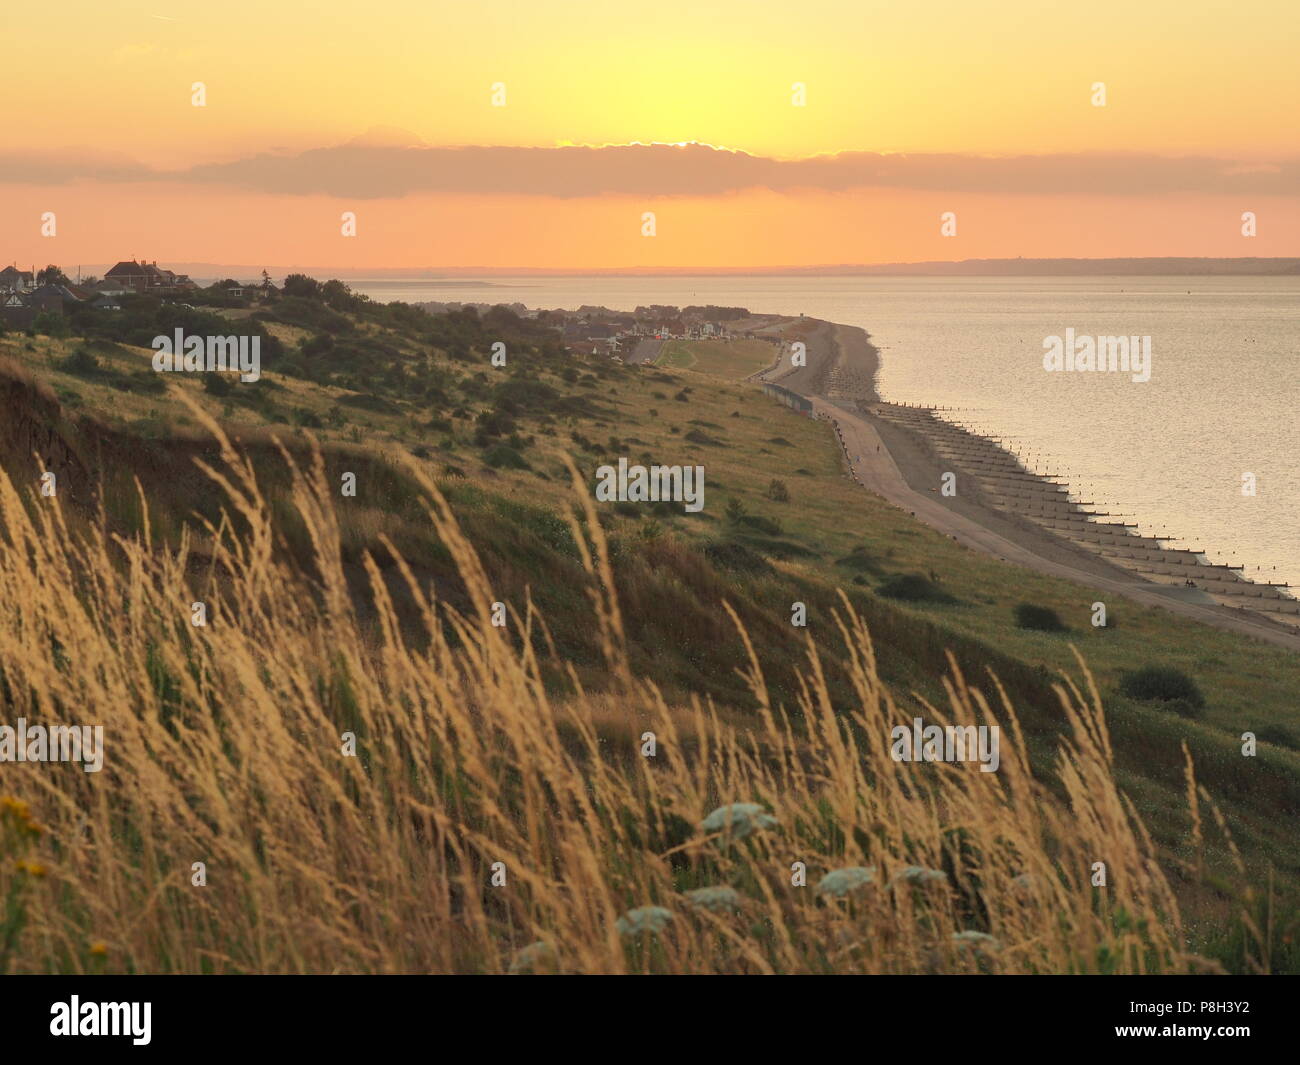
x: 983, y: 110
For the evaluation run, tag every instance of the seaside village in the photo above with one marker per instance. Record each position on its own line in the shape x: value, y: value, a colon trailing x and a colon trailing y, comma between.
x: 26, y: 295
x: 633, y: 336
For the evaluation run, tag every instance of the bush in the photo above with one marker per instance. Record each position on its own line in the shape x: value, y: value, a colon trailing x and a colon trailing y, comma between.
x: 727, y: 554
x: 216, y: 385
x: 51, y: 324
x: 1164, y: 684
x: 778, y: 492
x: 1279, y: 736
x: 81, y: 363
x: 505, y: 457
x: 913, y: 588
x: 1039, y: 618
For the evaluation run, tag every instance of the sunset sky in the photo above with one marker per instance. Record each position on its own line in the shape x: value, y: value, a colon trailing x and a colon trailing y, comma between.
x: 386, y: 110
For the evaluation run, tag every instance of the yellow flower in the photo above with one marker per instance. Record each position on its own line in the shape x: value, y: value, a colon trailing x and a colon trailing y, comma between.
x: 99, y: 947
x: 31, y: 868
x: 20, y: 809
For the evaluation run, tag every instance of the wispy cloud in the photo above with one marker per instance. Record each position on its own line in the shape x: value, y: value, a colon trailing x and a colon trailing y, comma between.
x: 377, y: 165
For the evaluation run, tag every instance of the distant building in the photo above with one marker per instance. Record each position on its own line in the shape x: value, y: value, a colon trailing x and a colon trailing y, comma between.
x: 143, y: 277
x: 14, y: 280
x: 56, y: 298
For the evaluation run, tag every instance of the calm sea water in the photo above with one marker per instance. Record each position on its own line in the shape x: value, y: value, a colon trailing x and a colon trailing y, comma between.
x: 1223, y: 399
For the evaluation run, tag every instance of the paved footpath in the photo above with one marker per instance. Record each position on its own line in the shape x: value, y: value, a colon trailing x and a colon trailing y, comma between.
x: 874, y: 468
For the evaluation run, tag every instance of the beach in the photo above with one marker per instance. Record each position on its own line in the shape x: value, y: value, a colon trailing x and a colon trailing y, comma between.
x: 1000, y: 507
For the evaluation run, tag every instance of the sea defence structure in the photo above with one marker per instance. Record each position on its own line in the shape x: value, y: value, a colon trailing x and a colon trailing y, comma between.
x: 1015, y: 507
x: 791, y: 399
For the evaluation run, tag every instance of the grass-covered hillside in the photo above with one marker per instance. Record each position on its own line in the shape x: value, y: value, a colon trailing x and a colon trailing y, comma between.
x: 415, y: 407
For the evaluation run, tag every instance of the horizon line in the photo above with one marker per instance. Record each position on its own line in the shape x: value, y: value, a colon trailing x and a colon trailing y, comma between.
x: 433, y: 272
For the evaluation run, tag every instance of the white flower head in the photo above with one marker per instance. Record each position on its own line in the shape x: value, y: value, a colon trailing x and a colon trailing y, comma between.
x: 918, y: 874
x: 740, y: 818
x: 970, y: 939
x: 653, y: 919
x: 843, y: 882
x: 718, y: 899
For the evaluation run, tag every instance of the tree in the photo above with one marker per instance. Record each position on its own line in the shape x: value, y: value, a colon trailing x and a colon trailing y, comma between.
x: 337, y: 295
x: 303, y: 286
x: 51, y: 324
x: 52, y: 275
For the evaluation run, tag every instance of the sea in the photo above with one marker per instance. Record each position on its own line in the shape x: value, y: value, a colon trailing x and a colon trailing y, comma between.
x: 1205, y: 454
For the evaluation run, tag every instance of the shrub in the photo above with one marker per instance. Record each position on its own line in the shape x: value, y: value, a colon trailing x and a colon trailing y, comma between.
x: 1039, y: 618
x: 50, y: 324
x: 728, y: 554
x: 913, y: 588
x: 505, y: 457
x: 216, y: 385
x: 778, y: 492
x: 1279, y: 736
x: 1164, y: 684
x: 81, y: 363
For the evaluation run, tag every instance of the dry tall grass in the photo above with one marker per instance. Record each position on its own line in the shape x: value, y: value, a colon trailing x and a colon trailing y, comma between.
x: 224, y: 746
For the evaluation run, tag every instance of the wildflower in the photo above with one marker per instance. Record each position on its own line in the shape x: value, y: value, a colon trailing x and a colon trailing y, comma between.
x: 539, y: 957
x: 741, y: 818
x: 99, y: 948
x: 31, y: 868
x: 976, y: 940
x: 17, y: 807
x: 717, y: 899
x: 842, y: 882
x: 918, y: 874
x: 652, y: 919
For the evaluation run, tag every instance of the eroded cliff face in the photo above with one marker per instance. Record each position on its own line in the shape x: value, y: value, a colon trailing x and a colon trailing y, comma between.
x: 37, y: 437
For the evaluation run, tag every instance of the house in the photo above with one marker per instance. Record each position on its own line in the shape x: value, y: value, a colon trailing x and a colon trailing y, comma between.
x: 16, y: 310
x: 56, y: 298
x: 141, y: 277
x: 106, y: 302
x: 128, y: 274
x: 14, y: 280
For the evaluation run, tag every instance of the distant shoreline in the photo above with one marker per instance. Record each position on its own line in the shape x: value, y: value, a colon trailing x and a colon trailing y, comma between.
x: 1001, y: 508
x: 1170, y: 266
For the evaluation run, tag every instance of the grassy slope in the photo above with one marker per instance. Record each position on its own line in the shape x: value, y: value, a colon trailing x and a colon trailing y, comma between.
x: 746, y: 442
x: 736, y: 359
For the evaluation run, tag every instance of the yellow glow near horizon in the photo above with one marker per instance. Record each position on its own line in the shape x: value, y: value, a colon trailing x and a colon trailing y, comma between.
x: 922, y: 76
x: 927, y: 75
